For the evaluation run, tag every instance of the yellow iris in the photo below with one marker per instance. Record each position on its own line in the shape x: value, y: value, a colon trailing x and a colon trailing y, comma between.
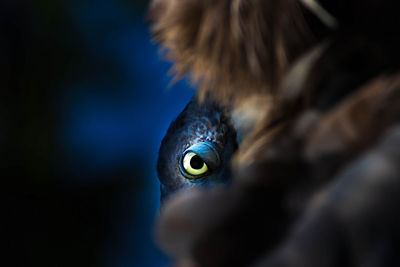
x: 194, y: 165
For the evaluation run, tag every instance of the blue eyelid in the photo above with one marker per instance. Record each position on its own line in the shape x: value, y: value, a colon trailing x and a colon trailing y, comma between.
x: 207, y: 152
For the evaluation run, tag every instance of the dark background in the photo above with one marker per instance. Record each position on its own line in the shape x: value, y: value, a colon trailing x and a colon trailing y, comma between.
x: 84, y: 104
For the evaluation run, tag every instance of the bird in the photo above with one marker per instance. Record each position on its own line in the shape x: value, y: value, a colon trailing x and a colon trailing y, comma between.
x: 314, y: 182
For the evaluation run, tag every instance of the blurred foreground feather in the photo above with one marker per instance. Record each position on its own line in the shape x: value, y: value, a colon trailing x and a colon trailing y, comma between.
x: 315, y: 181
x: 232, y: 48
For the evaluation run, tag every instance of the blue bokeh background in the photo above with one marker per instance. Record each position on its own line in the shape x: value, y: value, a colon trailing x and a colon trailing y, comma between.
x: 87, y: 102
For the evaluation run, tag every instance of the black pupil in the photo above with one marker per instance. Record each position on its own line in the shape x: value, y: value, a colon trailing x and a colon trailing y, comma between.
x: 196, y: 162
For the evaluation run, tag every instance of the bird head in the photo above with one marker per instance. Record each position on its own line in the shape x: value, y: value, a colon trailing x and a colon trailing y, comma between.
x: 197, y: 149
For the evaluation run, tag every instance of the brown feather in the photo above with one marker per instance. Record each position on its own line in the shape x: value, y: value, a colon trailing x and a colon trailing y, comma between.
x: 231, y: 48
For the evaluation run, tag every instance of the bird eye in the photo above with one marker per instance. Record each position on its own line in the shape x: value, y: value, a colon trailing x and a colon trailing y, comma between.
x: 199, y: 160
x: 193, y: 164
